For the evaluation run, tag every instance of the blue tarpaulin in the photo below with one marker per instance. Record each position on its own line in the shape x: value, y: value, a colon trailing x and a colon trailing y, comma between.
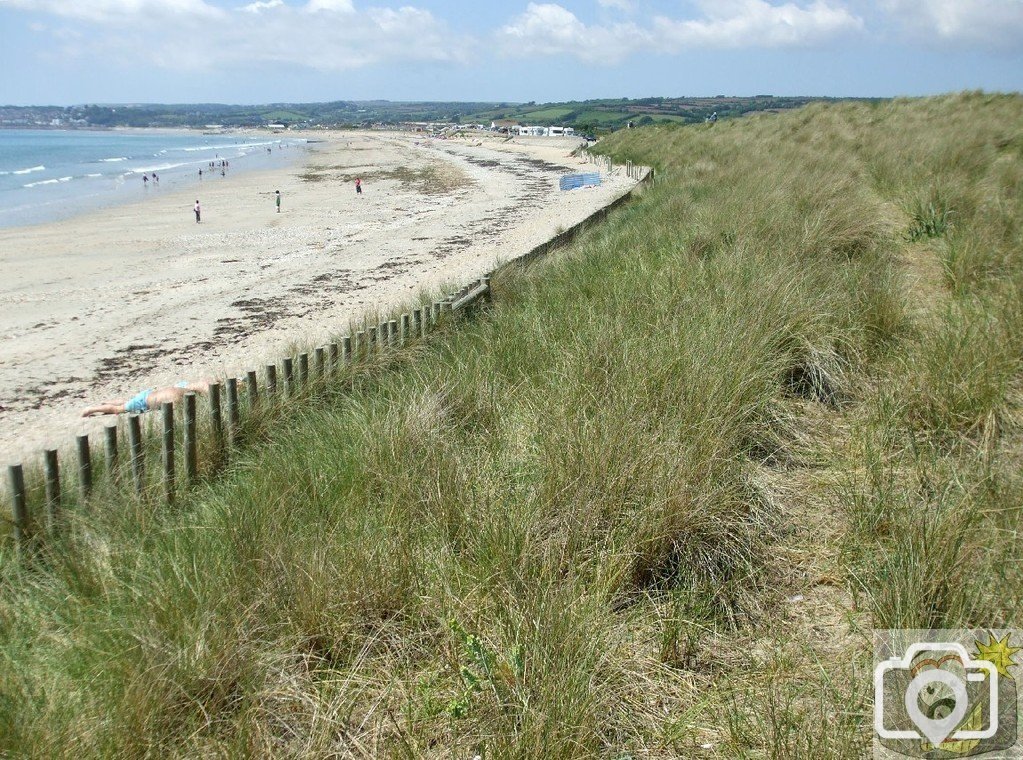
x: 572, y: 181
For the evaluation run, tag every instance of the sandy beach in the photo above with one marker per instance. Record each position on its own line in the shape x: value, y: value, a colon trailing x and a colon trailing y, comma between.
x: 103, y: 305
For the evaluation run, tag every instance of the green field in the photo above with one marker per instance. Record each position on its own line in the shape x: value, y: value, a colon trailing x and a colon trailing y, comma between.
x: 649, y: 505
x: 602, y: 118
x: 546, y: 114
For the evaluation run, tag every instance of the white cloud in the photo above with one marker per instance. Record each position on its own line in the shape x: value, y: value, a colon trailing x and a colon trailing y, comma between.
x: 757, y: 23
x: 339, y: 6
x: 261, y: 6
x: 103, y: 11
x: 335, y: 35
x: 984, y: 24
x: 192, y: 36
x: 550, y: 29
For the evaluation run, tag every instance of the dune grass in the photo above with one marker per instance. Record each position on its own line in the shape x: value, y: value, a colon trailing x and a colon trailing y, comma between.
x: 650, y: 504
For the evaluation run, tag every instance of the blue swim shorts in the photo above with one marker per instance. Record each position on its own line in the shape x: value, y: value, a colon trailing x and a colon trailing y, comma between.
x: 139, y: 402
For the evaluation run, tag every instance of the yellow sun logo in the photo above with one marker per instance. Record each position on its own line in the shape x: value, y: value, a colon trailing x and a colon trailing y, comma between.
x: 998, y: 653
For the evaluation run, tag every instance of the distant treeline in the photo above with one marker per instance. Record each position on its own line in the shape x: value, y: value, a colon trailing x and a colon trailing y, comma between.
x: 586, y: 115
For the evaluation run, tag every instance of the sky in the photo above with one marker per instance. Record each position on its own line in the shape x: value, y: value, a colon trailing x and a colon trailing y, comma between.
x: 66, y: 52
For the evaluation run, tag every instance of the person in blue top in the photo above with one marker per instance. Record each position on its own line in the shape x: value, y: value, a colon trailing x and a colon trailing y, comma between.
x: 151, y: 398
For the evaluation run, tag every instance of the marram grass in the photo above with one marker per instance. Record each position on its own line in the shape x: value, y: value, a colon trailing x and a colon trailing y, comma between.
x: 653, y: 500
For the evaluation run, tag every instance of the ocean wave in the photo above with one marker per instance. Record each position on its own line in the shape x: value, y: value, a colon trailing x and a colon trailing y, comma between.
x: 228, y: 146
x: 27, y: 171
x: 93, y: 175
x: 58, y: 180
x: 110, y: 160
x: 155, y: 168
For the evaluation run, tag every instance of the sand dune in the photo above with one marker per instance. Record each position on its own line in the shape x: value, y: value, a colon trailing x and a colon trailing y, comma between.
x: 102, y: 305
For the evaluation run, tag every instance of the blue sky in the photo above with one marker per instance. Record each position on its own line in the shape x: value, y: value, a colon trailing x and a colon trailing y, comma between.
x: 259, y: 51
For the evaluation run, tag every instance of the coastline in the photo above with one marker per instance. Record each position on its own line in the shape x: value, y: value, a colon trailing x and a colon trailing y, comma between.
x: 78, y: 184
x: 101, y: 305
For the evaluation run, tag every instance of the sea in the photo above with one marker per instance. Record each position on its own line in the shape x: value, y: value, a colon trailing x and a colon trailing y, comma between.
x: 52, y: 174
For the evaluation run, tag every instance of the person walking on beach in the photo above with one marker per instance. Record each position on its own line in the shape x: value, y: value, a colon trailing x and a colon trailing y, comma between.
x: 145, y: 180
x: 198, y: 211
x: 358, y: 186
x: 277, y: 193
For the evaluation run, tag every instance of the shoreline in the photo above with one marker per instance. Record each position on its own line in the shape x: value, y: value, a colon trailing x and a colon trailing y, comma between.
x: 100, y: 306
x: 97, y: 192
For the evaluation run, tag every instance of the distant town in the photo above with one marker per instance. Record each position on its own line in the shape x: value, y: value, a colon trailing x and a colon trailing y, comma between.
x: 587, y: 117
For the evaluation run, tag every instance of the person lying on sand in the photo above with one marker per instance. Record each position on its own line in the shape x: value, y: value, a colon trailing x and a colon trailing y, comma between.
x: 150, y: 398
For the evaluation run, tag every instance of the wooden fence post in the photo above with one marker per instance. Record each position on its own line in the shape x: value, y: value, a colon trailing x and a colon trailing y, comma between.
x: 320, y: 365
x: 333, y: 357
x: 392, y: 333
x: 19, y: 505
x: 191, y: 444
x: 252, y: 388
x: 271, y: 381
x: 233, y: 415
x: 52, y: 473
x: 216, y: 418
x: 84, y: 467
x: 405, y: 329
x: 289, y: 376
x: 135, y: 449
x: 110, y: 449
x: 359, y: 348
x: 488, y: 294
x: 303, y: 370
x: 167, y: 411
x: 346, y: 349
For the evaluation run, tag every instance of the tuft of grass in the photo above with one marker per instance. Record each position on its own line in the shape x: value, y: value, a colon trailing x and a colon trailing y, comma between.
x: 930, y: 219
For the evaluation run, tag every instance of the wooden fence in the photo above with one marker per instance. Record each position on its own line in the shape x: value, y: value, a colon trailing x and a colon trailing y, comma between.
x: 632, y: 170
x: 198, y: 439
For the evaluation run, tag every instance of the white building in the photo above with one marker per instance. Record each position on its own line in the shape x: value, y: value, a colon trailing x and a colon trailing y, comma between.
x: 535, y: 131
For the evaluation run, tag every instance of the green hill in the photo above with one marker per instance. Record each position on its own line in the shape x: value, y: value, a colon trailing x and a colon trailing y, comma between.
x: 587, y: 115
x: 654, y: 500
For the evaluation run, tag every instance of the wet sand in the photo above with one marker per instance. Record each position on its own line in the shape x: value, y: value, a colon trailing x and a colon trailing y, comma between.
x: 102, y: 305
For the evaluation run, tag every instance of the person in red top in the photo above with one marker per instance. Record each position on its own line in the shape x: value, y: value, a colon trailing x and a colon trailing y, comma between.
x: 358, y: 186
